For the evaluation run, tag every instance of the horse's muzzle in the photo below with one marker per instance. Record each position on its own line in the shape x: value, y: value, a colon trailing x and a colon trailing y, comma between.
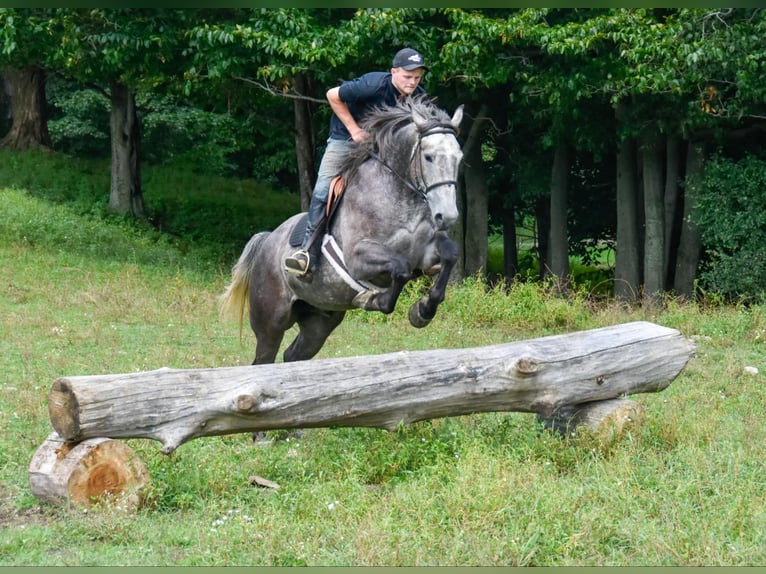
x: 442, y: 222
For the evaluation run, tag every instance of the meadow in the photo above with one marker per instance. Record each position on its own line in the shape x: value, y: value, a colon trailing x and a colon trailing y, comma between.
x: 85, y: 293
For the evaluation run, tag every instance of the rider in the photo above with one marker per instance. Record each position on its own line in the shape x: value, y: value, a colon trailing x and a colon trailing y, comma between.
x: 350, y: 102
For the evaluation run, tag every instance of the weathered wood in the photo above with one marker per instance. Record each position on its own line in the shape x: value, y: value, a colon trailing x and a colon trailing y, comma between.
x: 94, y: 471
x: 541, y: 375
x: 608, y: 419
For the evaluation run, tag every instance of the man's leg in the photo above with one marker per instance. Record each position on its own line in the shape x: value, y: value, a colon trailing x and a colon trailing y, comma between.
x: 303, y: 260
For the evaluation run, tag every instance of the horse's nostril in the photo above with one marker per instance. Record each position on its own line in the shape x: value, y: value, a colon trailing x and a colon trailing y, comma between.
x: 439, y: 221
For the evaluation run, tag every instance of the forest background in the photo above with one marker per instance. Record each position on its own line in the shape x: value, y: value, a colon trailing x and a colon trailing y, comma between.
x: 624, y: 138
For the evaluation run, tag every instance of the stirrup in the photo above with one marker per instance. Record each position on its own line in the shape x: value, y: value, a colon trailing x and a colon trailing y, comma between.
x: 298, y: 263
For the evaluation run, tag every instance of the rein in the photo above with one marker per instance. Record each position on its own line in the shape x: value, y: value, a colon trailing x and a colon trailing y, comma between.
x: 424, y: 189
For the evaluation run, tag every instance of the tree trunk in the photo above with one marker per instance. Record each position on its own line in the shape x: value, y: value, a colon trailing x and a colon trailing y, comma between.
x: 30, y: 126
x: 457, y: 233
x: 510, y: 249
x: 690, y: 242
x: 627, y: 270
x: 477, y: 198
x: 304, y: 142
x: 543, y: 220
x: 540, y: 375
x: 125, y: 196
x: 559, y: 237
x: 653, y: 157
x: 672, y: 191
x: 87, y: 473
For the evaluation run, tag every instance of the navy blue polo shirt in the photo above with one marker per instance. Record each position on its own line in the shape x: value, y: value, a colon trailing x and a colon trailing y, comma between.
x: 361, y: 95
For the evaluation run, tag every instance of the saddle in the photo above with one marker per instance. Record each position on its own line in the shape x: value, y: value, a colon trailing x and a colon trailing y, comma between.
x: 337, y: 187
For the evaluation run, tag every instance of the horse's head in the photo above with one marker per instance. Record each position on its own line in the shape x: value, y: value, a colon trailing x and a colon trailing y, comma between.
x: 417, y: 142
x: 435, y: 163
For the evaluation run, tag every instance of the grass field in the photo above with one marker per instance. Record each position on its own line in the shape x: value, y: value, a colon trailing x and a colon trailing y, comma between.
x: 81, y: 293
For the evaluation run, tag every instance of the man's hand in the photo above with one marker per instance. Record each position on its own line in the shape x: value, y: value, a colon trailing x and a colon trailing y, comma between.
x: 359, y: 135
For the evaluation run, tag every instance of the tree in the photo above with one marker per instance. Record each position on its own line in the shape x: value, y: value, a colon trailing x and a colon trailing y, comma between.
x: 120, y: 52
x: 25, y: 42
x: 284, y: 53
x: 627, y: 273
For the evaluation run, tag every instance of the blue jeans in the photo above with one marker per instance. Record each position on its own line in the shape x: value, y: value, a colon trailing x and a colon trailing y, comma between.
x: 334, y: 156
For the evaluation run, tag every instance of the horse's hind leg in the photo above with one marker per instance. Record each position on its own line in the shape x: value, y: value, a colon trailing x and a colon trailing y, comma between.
x: 269, y: 322
x: 267, y: 345
x: 315, y: 326
x: 424, y: 310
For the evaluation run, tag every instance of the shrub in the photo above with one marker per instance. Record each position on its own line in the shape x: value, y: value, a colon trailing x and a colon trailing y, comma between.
x: 732, y: 218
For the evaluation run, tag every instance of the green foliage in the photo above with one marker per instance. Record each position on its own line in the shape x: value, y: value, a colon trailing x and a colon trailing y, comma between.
x: 216, y: 215
x: 79, y: 123
x: 205, y: 142
x: 731, y: 213
x: 217, y: 211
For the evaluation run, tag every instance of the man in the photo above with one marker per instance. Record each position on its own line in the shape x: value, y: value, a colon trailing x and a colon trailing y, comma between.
x: 350, y: 102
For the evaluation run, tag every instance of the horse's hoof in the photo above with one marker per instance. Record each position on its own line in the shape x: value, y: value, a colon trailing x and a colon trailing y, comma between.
x: 363, y: 300
x: 433, y: 270
x: 416, y: 319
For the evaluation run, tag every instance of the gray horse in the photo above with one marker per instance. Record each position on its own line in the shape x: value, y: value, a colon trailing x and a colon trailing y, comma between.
x: 389, y: 227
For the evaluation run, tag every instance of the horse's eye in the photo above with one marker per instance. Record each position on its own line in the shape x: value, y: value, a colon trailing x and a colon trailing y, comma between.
x: 428, y: 158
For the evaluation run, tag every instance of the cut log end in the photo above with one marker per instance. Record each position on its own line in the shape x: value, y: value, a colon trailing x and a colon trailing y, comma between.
x: 63, y: 409
x: 95, y: 471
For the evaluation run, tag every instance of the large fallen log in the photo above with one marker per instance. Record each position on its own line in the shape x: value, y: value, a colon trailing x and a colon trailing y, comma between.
x: 540, y: 376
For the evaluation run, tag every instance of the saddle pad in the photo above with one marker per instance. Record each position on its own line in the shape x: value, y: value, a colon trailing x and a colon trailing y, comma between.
x: 296, y: 237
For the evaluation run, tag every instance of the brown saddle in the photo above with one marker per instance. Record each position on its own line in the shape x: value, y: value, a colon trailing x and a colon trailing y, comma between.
x: 337, y: 187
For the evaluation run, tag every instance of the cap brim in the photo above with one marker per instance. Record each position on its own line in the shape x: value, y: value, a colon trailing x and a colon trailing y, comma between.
x: 414, y: 67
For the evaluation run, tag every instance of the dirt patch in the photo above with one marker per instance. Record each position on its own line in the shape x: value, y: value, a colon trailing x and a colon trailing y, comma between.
x: 12, y: 516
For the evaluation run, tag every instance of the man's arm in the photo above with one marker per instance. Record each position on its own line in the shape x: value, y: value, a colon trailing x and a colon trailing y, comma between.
x: 344, y: 115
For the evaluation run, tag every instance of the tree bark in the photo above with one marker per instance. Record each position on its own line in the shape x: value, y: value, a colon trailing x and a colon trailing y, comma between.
x: 672, y: 190
x: 540, y: 375
x: 690, y: 242
x: 653, y: 156
x: 29, y: 128
x: 304, y: 142
x: 457, y: 233
x: 125, y: 196
x: 510, y: 249
x: 88, y: 473
x: 477, y: 198
x: 559, y: 237
x: 543, y: 220
x: 627, y: 270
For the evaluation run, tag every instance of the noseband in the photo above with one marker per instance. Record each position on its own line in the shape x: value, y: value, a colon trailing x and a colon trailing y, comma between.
x: 422, y: 190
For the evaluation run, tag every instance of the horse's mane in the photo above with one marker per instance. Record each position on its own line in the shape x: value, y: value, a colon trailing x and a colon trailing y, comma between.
x: 384, y: 122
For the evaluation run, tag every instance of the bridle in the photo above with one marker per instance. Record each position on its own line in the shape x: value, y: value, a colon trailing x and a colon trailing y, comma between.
x: 423, y: 189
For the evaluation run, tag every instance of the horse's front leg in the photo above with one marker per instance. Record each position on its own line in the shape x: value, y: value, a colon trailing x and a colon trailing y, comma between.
x: 370, y: 261
x: 424, y: 310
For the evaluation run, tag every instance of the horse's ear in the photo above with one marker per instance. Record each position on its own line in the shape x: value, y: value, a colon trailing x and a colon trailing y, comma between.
x: 457, y: 117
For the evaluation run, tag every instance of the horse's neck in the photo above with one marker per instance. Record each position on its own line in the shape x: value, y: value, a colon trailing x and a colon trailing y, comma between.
x: 376, y: 204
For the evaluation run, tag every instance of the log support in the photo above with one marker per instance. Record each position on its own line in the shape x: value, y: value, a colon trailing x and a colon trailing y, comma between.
x: 93, y: 471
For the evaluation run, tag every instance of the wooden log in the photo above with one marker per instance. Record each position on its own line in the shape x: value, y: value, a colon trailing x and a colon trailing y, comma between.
x: 539, y: 375
x: 97, y: 470
x: 608, y: 420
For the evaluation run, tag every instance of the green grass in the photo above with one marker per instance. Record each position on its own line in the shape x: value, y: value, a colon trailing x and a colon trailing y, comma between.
x: 83, y: 293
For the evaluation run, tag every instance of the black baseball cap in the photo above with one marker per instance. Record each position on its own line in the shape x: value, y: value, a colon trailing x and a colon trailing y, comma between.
x: 409, y: 59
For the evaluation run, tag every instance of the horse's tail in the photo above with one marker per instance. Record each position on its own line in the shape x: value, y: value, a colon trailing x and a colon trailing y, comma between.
x: 235, y: 300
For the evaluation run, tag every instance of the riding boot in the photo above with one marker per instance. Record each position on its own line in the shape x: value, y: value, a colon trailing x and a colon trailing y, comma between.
x: 303, y: 260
